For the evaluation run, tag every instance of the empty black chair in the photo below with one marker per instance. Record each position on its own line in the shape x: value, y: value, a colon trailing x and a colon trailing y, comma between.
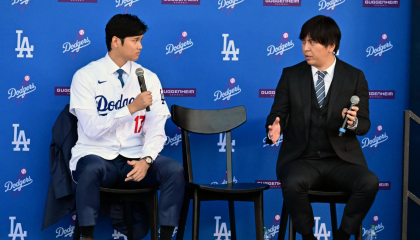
x: 214, y: 122
x: 317, y: 197
x: 131, y: 196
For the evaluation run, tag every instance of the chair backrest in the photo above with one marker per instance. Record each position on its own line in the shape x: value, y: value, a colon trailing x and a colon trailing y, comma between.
x: 207, y: 122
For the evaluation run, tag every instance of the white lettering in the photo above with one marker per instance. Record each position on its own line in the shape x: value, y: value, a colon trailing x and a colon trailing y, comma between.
x: 75, y: 47
x: 366, y: 142
x: 280, y: 49
x: 20, y: 140
x: 323, y: 4
x: 230, y: 49
x: 229, y: 3
x: 379, y: 50
x: 24, y: 47
x: 178, y: 49
x: 230, y: 92
x: 125, y: 3
x: 21, y: 93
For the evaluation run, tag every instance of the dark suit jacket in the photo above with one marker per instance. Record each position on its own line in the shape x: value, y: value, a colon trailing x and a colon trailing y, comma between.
x: 292, y: 104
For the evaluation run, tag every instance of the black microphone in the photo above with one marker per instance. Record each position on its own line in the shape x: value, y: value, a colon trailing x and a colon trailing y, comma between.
x: 143, y: 88
x: 354, y: 101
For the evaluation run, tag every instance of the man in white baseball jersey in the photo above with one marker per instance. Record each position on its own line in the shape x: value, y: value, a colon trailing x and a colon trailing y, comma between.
x: 119, y: 140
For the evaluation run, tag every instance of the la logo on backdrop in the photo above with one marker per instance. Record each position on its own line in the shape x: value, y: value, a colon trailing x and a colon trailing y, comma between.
x: 20, y: 93
x: 329, y: 6
x: 281, y: 47
x: 73, y: 49
x: 177, y: 50
x: 20, y: 4
x: 228, y: 5
x: 377, y: 52
x: 225, y: 96
x: 21, y: 181
x: 377, y: 138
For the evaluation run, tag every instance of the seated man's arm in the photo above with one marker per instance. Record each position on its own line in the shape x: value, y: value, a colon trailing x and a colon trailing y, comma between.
x: 362, y: 91
x: 83, y: 106
x: 280, y: 107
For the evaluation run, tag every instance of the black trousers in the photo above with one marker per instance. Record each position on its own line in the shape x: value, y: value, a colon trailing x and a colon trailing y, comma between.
x: 330, y: 174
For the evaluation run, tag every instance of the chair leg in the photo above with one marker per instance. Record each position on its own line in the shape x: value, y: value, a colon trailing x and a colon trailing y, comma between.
x: 232, y: 220
x: 292, y: 232
x: 359, y: 235
x: 153, y: 217
x: 76, y: 234
x: 333, y: 212
x: 196, y: 216
x: 283, y: 223
x: 259, y: 216
x: 183, y: 216
x: 128, y: 220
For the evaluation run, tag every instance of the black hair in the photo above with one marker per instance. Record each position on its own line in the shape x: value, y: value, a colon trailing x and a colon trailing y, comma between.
x: 323, y: 30
x: 122, y: 26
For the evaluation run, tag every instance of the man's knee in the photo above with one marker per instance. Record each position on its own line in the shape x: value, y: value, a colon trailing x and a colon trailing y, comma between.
x: 368, y: 183
x: 171, y: 167
x: 293, y: 185
x: 90, y: 166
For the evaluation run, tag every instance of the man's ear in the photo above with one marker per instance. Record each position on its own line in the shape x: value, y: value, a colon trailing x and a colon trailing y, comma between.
x: 115, y: 42
x: 331, y: 48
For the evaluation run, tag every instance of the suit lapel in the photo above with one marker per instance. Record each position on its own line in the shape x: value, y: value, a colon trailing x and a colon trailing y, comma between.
x: 334, y: 90
x: 305, y: 81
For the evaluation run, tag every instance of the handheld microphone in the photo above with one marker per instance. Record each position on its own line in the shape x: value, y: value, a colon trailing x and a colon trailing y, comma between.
x: 142, y: 83
x: 354, y: 101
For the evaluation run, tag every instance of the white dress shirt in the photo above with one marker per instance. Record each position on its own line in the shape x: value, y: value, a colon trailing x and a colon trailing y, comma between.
x: 105, y: 126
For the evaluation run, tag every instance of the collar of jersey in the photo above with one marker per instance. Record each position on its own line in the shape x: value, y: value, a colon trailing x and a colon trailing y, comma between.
x: 112, y: 67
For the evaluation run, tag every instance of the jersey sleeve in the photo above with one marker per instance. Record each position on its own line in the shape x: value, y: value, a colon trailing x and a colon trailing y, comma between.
x: 158, y: 106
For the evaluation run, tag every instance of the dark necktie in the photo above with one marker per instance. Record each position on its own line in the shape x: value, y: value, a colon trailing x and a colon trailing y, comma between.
x: 120, y: 73
x: 320, y: 88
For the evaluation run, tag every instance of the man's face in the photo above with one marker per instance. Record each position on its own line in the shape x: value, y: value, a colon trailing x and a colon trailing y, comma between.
x: 315, y: 53
x: 131, y: 48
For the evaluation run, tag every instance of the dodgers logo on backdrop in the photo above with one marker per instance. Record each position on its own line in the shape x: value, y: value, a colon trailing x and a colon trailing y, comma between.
x: 221, y: 230
x: 21, y: 181
x: 275, y: 146
x: 377, y: 138
x: 20, y: 140
x: 273, y: 229
x: 381, y: 3
x: 125, y: 4
x: 20, y: 3
x: 329, y: 5
x: 78, y: 43
x: 16, y: 231
x: 371, y: 233
x: 66, y: 232
x: 226, y: 95
x: 24, y: 88
x: 175, y: 140
x: 230, y: 49
x: 181, y: 2
x: 177, y: 49
x: 381, y: 47
x: 228, y: 5
x: 274, y: 3
x: 23, y: 46
x: 281, y: 47
x: 224, y: 180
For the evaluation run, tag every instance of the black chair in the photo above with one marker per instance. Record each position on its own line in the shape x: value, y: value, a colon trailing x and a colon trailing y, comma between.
x: 214, y: 122
x: 130, y: 196
x: 317, y: 197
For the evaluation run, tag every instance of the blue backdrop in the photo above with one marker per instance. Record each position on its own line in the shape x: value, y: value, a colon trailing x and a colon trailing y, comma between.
x: 208, y: 54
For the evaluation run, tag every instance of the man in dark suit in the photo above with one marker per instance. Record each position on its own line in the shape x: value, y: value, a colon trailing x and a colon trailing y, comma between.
x: 309, y: 106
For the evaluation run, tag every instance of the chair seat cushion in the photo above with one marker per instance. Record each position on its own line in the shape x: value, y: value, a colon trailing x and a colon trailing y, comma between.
x: 233, y: 187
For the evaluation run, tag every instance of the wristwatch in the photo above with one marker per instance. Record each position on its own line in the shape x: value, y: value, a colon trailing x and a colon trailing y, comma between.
x: 148, y: 159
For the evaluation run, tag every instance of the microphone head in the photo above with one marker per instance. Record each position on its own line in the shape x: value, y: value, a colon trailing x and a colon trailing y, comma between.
x: 355, y: 100
x: 139, y: 72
